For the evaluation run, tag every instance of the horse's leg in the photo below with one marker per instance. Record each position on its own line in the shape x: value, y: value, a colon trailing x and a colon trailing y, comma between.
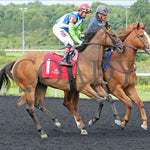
x: 90, y: 92
x: 39, y: 103
x: 121, y: 95
x: 31, y: 110
x: 132, y: 93
x: 71, y: 101
x: 114, y: 110
x: 101, y: 92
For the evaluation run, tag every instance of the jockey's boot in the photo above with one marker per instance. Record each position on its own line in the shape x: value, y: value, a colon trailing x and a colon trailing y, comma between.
x: 71, y: 55
x: 66, y: 60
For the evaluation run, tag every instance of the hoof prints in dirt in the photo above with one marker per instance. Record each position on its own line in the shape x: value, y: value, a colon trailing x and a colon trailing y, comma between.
x: 18, y: 132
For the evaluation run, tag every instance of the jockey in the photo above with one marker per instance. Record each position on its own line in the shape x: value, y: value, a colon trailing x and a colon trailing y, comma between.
x: 68, y: 30
x: 97, y: 22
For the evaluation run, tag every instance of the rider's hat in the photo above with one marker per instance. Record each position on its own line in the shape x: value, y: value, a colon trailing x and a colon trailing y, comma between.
x: 85, y: 7
x: 102, y: 9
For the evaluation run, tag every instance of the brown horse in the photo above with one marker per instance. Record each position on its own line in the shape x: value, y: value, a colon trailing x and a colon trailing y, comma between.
x: 26, y: 72
x: 121, y: 75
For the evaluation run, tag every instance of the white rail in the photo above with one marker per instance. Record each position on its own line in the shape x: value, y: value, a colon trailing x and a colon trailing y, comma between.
x: 143, y: 74
x: 32, y: 50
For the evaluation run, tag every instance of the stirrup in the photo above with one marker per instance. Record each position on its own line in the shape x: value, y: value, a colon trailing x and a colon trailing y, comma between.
x: 65, y: 64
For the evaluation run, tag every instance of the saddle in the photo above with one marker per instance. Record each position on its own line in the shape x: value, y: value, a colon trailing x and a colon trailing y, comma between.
x: 53, y: 69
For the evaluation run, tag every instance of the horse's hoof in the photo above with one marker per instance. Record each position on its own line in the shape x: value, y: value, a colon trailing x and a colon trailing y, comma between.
x: 118, y: 122
x: 144, y: 127
x: 44, y: 136
x: 84, y: 132
x: 91, y: 123
x: 58, y: 124
x: 122, y: 126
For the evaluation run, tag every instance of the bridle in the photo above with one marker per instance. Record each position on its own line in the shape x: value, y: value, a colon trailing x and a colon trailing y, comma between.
x: 144, y: 45
x: 112, y: 37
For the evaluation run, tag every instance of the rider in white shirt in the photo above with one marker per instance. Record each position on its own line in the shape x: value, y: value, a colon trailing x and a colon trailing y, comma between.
x: 68, y: 30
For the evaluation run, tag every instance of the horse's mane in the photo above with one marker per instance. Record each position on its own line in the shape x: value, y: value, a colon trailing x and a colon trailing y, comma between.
x: 87, y: 38
x: 123, y: 32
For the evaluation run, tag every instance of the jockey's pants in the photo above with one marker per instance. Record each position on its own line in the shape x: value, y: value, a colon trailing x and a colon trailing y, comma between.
x: 63, y: 36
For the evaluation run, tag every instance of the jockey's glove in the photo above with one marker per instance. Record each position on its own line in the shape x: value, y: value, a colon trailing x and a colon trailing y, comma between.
x: 82, y: 35
x: 80, y: 42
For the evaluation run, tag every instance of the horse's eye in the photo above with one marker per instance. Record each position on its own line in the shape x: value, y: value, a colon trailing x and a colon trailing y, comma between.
x: 141, y: 36
x: 113, y: 35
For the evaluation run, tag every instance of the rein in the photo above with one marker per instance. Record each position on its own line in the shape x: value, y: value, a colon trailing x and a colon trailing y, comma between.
x: 93, y: 43
x: 135, y: 48
x: 96, y: 43
x: 106, y: 33
x: 131, y: 47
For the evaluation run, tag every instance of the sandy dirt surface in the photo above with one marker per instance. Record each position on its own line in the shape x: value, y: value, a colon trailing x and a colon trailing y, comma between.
x: 17, y: 131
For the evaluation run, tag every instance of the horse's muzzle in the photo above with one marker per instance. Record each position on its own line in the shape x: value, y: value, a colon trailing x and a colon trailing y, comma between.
x: 146, y: 49
x: 120, y: 48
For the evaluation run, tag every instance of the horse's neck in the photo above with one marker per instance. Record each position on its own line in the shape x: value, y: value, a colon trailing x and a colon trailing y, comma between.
x: 130, y: 52
x: 127, y: 57
x: 93, y: 52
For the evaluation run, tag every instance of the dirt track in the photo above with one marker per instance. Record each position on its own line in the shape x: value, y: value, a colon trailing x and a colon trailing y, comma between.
x: 19, y: 133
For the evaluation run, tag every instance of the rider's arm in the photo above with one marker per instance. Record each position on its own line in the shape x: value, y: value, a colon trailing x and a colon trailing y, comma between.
x: 72, y: 32
x: 78, y: 31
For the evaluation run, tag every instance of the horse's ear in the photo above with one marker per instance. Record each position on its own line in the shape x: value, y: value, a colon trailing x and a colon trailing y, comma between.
x: 107, y: 24
x: 144, y: 26
x: 138, y: 26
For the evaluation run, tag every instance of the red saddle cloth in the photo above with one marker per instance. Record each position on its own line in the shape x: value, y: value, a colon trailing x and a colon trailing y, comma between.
x: 53, y: 69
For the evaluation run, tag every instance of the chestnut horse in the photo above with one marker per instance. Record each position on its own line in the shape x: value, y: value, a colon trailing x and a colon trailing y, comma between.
x: 27, y: 70
x: 121, y: 76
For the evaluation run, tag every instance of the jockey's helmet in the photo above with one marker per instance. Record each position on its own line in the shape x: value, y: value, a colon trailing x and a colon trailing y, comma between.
x: 102, y: 9
x: 85, y: 7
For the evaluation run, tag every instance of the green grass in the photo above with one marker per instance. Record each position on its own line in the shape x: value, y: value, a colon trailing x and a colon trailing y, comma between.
x: 143, y: 66
x: 143, y: 92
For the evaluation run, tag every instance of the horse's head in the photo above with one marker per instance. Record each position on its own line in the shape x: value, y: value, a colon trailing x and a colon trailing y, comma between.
x: 135, y: 37
x: 105, y: 36
x: 143, y: 39
x: 117, y: 43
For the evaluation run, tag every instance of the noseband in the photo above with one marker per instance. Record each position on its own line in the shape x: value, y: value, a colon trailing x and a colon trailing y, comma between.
x: 144, y: 45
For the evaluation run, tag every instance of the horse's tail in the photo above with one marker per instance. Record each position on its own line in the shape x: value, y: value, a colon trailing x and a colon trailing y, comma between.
x: 4, y: 73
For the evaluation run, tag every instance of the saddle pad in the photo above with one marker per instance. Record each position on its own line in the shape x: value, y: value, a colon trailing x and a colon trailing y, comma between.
x: 53, y: 69
x: 106, y: 61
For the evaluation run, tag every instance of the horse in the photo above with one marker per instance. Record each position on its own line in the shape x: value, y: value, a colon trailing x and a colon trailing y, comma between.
x: 26, y: 72
x: 121, y: 76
